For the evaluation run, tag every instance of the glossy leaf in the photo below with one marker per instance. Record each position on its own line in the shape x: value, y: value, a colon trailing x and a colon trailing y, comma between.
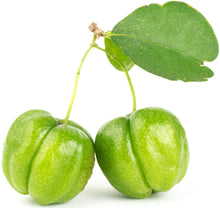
x: 171, y: 41
x: 117, y: 57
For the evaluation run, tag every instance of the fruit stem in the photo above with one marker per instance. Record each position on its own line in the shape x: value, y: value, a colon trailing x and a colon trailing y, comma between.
x: 132, y: 90
x: 126, y: 73
x: 77, y: 79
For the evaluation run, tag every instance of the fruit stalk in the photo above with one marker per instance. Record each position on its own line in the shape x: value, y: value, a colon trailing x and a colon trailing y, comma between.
x: 126, y: 73
x: 77, y: 79
x: 132, y: 90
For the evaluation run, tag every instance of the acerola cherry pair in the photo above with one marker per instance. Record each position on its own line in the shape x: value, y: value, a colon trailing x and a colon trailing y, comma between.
x: 144, y: 152
x: 52, y: 159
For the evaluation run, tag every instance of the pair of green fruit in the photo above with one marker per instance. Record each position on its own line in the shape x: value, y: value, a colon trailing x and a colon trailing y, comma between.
x: 141, y: 153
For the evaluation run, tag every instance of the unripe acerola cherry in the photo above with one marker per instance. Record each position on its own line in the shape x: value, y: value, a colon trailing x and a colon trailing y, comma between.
x: 47, y: 159
x: 144, y: 152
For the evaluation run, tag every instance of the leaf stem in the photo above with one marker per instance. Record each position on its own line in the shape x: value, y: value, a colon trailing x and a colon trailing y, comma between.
x: 77, y: 79
x: 126, y: 73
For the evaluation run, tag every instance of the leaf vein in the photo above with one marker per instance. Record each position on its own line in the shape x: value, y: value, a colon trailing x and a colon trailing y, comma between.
x: 158, y: 44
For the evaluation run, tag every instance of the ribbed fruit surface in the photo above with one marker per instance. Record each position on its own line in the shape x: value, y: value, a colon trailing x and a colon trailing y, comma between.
x: 46, y: 159
x: 144, y: 152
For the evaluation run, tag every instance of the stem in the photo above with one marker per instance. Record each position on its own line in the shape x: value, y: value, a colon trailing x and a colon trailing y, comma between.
x: 77, y: 79
x: 126, y: 73
x: 132, y: 90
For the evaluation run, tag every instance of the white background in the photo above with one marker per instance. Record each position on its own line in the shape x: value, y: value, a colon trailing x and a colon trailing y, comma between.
x: 41, y: 45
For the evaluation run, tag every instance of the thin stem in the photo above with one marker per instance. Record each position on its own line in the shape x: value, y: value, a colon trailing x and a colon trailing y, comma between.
x: 77, y: 79
x: 126, y: 73
x: 132, y: 90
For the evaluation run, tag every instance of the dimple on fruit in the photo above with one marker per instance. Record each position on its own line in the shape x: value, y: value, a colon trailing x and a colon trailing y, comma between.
x: 144, y: 152
x: 47, y: 159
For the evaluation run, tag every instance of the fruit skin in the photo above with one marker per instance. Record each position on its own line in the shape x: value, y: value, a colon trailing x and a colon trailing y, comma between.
x: 144, y: 152
x: 46, y: 159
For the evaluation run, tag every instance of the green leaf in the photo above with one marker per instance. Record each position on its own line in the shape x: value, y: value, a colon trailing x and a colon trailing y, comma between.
x: 171, y: 41
x: 117, y: 57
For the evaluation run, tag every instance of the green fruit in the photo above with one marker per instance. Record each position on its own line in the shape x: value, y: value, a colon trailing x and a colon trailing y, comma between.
x: 144, y: 152
x: 47, y: 159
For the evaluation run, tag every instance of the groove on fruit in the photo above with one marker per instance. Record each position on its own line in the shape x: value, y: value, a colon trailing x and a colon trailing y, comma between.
x: 139, y: 167
x: 35, y: 154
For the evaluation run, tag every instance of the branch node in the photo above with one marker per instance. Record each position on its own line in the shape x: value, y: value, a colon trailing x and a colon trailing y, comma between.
x: 96, y: 30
